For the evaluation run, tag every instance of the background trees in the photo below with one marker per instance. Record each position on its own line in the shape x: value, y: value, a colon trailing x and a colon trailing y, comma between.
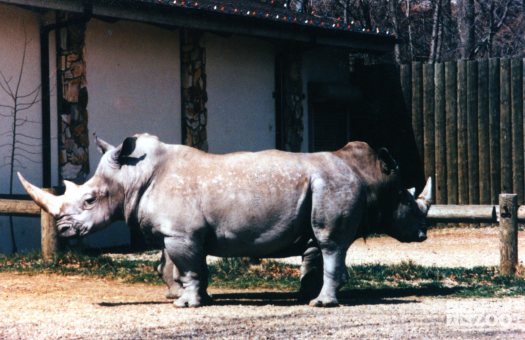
x: 437, y: 30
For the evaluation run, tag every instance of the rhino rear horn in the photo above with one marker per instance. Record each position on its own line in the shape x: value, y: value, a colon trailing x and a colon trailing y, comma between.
x: 102, y: 145
x: 43, y: 199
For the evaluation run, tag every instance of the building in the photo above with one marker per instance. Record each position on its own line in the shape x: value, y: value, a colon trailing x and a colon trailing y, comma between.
x: 220, y: 76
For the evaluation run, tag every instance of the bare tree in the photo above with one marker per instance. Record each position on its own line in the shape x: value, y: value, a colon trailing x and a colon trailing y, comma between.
x: 392, y: 9
x: 409, y: 24
x: 466, y: 28
x: 21, y: 146
x: 436, y: 32
x: 493, y: 16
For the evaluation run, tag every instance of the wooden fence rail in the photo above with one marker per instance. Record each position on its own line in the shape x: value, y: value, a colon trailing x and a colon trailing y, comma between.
x: 507, y: 214
x: 49, y: 237
x: 467, y: 118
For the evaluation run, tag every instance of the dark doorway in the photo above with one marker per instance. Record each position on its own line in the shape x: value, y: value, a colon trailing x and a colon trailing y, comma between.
x: 368, y: 108
x: 331, y: 111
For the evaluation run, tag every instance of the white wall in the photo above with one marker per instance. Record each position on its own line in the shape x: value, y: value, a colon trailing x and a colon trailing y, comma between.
x: 133, y: 80
x: 19, y: 27
x: 240, y: 85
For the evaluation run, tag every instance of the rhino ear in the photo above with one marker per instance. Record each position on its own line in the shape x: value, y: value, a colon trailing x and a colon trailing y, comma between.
x: 126, y: 149
x: 388, y: 163
x: 102, y: 145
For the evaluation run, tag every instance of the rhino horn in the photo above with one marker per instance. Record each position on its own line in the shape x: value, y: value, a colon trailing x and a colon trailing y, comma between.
x: 424, y: 200
x: 70, y: 186
x: 43, y: 199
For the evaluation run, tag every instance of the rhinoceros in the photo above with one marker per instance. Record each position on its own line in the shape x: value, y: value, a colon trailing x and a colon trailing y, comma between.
x: 252, y: 204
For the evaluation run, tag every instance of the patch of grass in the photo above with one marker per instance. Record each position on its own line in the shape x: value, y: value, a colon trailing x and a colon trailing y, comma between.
x: 75, y: 263
x: 364, y: 280
x: 461, y: 282
x: 238, y: 273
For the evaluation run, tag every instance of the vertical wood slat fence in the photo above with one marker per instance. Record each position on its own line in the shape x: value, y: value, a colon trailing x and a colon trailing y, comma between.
x: 467, y: 118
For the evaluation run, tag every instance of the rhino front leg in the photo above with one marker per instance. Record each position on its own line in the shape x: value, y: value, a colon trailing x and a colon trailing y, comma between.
x: 170, y: 274
x: 190, y: 260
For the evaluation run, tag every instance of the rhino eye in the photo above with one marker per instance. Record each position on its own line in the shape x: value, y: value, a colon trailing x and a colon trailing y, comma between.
x: 89, y: 201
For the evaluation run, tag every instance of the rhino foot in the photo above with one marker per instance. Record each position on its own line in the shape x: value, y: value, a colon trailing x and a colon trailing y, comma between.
x: 310, y: 286
x: 192, y: 301
x: 184, y: 302
x: 323, y: 303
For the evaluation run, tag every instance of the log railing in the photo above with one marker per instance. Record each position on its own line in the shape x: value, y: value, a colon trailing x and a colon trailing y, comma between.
x: 507, y: 214
x: 26, y: 207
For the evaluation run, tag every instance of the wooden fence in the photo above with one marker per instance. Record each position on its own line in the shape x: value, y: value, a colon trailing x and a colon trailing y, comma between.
x: 507, y: 213
x: 467, y: 118
x: 26, y: 207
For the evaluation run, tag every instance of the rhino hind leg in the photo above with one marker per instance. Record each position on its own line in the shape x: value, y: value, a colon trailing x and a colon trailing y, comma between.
x: 170, y: 275
x: 190, y: 261
x: 334, y: 277
x: 311, y: 272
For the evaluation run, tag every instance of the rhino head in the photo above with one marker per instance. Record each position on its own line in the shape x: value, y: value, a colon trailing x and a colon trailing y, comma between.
x: 409, y: 217
x: 89, y: 207
x: 403, y: 215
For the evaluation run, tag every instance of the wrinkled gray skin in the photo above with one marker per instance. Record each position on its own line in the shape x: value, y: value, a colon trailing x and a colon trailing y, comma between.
x: 263, y: 204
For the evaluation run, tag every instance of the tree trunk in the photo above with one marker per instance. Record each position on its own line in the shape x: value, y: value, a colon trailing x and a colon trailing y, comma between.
x: 410, y: 48
x: 448, y: 36
x: 466, y: 28
x: 393, y: 15
x: 436, y: 28
x: 367, y: 16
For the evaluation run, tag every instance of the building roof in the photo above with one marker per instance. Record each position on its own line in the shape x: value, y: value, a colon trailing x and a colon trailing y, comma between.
x: 258, y: 18
x: 266, y: 10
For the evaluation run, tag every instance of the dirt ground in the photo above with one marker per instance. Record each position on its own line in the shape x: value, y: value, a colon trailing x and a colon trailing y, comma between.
x: 73, y: 307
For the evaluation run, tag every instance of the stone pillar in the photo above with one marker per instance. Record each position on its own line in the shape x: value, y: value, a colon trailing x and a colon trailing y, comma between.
x: 73, y: 138
x: 291, y: 97
x: 194, y: 95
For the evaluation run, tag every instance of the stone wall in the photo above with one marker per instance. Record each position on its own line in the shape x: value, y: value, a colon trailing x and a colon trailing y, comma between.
x: 73, y: 140
x: 194, y: 95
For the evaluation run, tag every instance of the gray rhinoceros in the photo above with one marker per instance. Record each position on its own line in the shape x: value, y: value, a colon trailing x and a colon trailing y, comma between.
x: 253, y: 204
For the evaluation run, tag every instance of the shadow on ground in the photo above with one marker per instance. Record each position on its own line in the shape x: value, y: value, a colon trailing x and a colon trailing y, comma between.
x: 351, y: 297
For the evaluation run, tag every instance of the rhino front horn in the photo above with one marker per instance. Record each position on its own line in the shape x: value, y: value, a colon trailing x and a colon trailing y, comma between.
x: 43, y: 199
x: 424, y: 200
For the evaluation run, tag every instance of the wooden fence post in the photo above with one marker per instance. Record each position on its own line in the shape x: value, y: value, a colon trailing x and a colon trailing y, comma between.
x: 516, y: 108
x: 440, y: 135
x: 472, y: 132
x: 494, y: 126
x: 483, y: 132
x: 463, y: 178
x: 505, y: 127
x: 417, y: 106
x: 451, y: 133
x: 428, y: 120
x: 508, y: 231
x: 49, y: 242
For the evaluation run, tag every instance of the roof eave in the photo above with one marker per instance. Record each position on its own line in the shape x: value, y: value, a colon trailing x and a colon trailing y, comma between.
x: 221, y: 23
